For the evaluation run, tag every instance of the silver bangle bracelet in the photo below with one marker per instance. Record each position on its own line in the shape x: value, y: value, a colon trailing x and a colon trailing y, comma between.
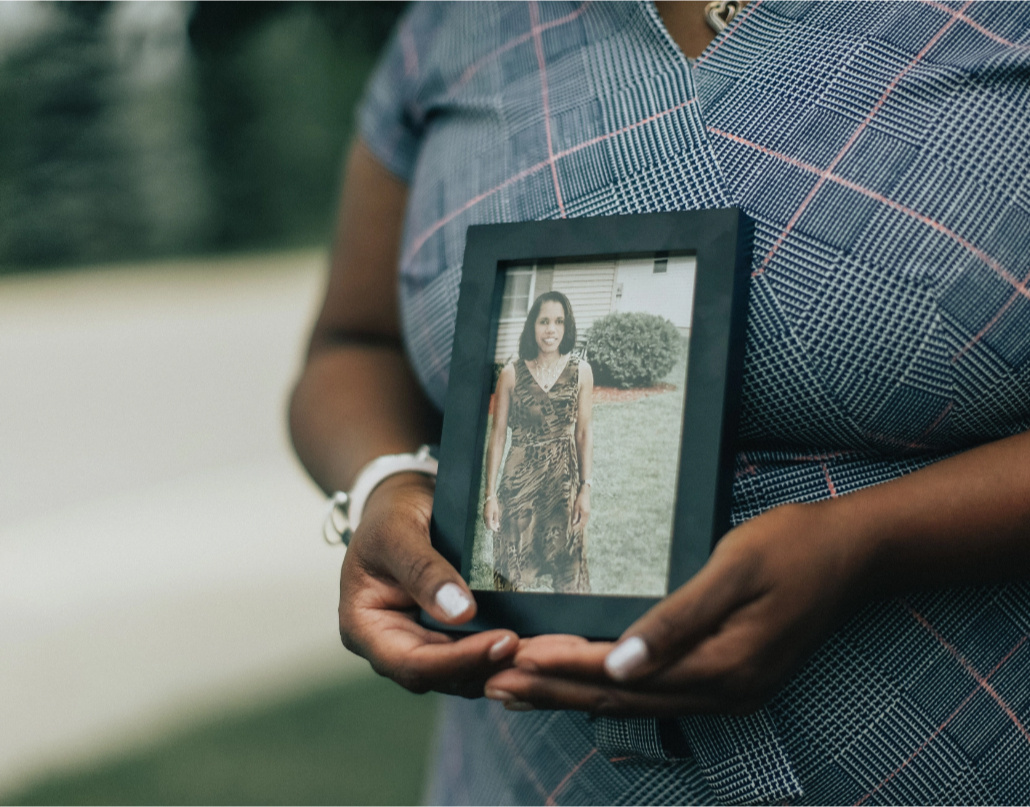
x: 345, y: 509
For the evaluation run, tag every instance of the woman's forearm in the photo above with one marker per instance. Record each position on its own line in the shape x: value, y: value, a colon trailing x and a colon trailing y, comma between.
x: 357, y: 397
x: 585, y: 449
x: 493, y: 462
x: 495, y: 446
x: 585, y: 422
x: 499, y: 429
x: 354, y: 403
x: 963, y: 520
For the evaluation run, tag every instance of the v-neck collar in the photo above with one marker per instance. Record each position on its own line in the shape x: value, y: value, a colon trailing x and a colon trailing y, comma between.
x: 539, y: 386
x: 651, y: 11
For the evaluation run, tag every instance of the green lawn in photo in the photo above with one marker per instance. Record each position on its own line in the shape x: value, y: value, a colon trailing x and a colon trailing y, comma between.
x: 361, y: 742
x: 636, y: 459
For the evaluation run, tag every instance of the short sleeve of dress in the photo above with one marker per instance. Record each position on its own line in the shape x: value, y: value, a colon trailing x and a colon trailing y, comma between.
x: 389, y: 117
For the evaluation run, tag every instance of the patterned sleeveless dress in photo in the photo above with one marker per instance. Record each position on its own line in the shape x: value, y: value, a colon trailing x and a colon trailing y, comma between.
x: 536, y: 547
x: 882, y: 151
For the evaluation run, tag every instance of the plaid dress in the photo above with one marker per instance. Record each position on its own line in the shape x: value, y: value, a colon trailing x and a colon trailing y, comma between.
x: 883, y: 151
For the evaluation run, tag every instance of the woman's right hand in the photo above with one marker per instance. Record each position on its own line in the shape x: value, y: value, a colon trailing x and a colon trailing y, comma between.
x: 389, y: 571
x: 492, y: 515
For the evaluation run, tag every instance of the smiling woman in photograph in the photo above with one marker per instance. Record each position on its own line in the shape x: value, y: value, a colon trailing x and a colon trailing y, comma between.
x: 539, y: 511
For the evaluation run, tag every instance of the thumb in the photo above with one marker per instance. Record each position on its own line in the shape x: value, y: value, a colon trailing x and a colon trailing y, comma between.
x: 431, y: 581
x: 680, y: 621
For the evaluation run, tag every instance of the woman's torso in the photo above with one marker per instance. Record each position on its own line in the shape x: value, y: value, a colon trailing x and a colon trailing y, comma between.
x: 537, y: 415
x: 888, y: 314
x: 881, y: 150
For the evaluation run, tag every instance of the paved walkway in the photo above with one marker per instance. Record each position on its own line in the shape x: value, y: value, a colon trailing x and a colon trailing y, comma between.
x: 160, y: 558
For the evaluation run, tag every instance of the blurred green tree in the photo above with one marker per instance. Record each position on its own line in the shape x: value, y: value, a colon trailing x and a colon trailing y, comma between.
x: 137, y: 130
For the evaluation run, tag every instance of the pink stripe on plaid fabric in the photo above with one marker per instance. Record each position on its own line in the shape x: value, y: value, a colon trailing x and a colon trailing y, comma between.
x: 710, y: 50
x: 974, y: 24
x: 622, y: 130
x: 825, y: 174
x: 478, y: 65
x: 505, y: 733
x: 922, y: 620
x: 829, y: 455
x: 899, y: 443
x: 561, y: 785
x: 538, y: 43
x: 420, y: 241
x: 749, y: 468
x: 941, y: 727
x: 829, y: 481
x: 895, y: 442
x: 937, y: 421
x: 1021, y: 291
x: 994, y: 264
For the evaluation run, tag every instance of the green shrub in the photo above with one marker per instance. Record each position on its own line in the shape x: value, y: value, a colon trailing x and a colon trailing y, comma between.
x: 634, y: 349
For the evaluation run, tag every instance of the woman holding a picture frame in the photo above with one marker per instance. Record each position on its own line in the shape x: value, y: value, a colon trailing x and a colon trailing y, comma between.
x: 861, y: 635
x: 539, y: 511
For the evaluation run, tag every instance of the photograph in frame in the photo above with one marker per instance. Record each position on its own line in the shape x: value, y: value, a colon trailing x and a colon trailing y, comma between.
x: 586, y: 456
x: 582, y: 440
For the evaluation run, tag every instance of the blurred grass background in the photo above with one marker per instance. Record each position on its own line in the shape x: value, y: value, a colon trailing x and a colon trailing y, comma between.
x: 359, y: 743
x: 167, y: 619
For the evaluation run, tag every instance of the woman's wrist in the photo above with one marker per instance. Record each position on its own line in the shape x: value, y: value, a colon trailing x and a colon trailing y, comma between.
x: 856, y: 537
x: 846, y: 541
x: 402, y: 484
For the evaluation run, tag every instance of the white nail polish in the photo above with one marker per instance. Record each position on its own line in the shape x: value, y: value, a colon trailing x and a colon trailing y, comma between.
x: 452, y: 600
x: 627, y: 656
x: 497, y: 648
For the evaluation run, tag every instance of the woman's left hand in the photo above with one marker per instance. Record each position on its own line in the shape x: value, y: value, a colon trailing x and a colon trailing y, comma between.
x: 581, y: 509
x: 726, y: 641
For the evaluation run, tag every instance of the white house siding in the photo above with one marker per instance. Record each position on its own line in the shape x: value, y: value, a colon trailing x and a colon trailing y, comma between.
x: 508, y: 340
x: 590, y: 288
x: 508, y: 330
x: 669, y: 294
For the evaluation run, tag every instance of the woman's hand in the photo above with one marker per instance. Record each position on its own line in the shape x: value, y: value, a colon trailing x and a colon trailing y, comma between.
x: 726, y: 641
x: 389, y: 571
x: 581, y: 509
x: 492, y: 514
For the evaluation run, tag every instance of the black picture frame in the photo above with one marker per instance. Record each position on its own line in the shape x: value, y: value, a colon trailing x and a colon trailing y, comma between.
x: 720, y: 239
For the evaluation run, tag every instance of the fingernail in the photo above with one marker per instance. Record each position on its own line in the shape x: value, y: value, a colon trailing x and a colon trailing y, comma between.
x: 499, y: 695
x: 498, y: 649
x: 452, y: 600
x: 627, y: 657
x: 518, y: 706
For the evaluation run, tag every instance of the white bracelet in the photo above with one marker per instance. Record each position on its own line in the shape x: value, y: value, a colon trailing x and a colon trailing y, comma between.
x: 345, y: 509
